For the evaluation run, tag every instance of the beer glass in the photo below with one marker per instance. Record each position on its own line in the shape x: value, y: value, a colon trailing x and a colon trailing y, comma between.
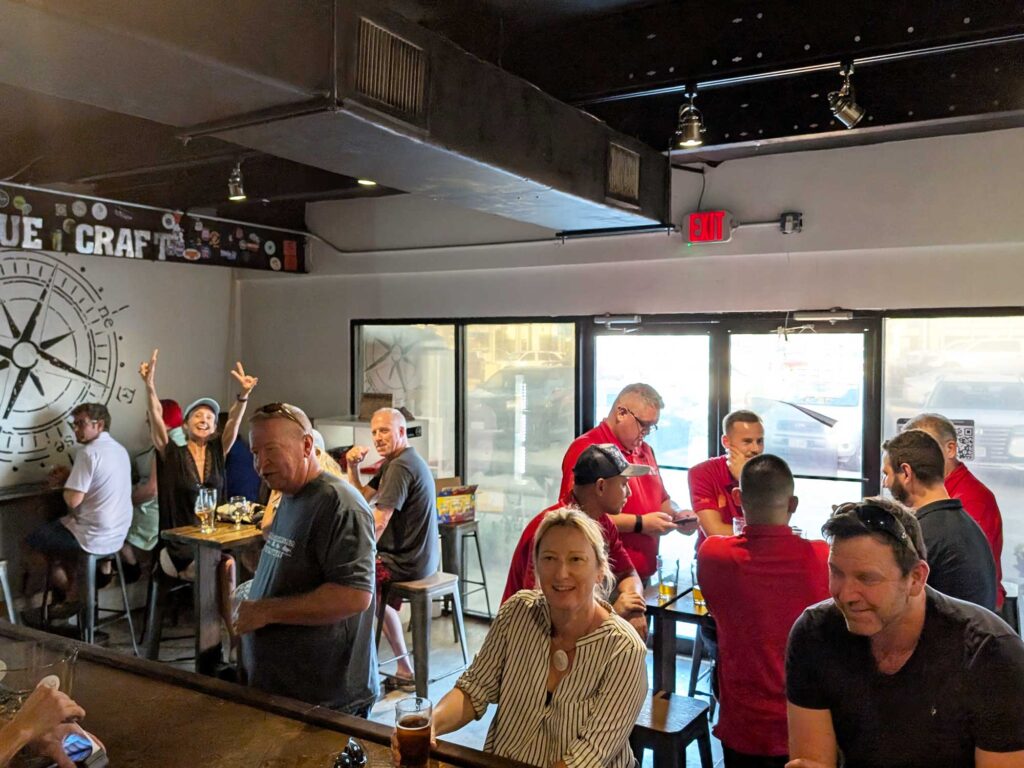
x: 412, y: 725
x: 668, y: 579
x: 239, y: 509
x: 699, y: 605
x: 206, y: 509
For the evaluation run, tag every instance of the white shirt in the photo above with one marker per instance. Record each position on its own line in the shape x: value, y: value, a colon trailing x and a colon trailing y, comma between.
x: 588, y: 721
x: 103, y: 472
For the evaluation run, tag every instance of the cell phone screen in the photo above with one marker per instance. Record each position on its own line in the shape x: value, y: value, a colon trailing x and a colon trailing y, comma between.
x: 77, y: 747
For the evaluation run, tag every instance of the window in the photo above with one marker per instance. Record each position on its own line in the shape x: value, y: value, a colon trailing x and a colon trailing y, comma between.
x: 415, y: 364
x: 967, y: 368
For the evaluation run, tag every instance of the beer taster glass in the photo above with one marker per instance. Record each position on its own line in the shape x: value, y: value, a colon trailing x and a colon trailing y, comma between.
x: 412, y: 724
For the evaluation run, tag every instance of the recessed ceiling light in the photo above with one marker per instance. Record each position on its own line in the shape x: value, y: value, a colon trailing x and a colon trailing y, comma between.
x: 366, y: 182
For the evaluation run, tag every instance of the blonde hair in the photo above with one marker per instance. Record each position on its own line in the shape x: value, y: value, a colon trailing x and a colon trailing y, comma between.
x: 567, y: 517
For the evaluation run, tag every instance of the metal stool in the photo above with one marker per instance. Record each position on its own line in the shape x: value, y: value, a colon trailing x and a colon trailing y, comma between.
x: 420, y: 594
x: 453, y: 559
x: 666, y: 725
x: 700, y: 653
x: 12, y: 615
x: 87, y: 622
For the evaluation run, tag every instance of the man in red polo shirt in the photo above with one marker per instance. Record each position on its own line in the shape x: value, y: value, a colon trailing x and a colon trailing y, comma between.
x: 977, y: 500
x: 649, y: 513
x: 712, y: 482
x: 602, y: 478
x: 756, y: 586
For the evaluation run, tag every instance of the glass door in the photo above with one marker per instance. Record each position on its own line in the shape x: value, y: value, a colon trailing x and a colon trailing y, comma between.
x: 678, y: 366
x: 808, y: 386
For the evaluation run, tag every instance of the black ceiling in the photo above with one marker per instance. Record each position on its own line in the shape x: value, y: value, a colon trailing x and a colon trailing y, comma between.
x: 583, y: 52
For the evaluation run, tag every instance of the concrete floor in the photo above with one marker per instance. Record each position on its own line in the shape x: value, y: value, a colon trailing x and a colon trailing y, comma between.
x: 445, y: 662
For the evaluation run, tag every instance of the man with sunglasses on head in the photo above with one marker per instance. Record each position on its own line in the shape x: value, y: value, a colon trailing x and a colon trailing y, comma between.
x: 649, y: 513
x: 960, y: 561
x: 891, y: 672
x: 307, y: 625
x: 713, y: 482
x: 98, y: 493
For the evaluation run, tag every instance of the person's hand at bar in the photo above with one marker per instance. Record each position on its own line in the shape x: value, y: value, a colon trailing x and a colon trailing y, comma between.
x: 43, y: 712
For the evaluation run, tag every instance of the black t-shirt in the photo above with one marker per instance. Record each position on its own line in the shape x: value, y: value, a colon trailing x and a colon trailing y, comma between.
x: 178, y: 484
x: 962, y: 688
x: 959, y: 557
x: 409, y: 544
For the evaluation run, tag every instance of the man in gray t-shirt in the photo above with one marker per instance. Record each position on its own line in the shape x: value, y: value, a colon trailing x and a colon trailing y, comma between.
x: 307, y: 629
x: 405, y: 516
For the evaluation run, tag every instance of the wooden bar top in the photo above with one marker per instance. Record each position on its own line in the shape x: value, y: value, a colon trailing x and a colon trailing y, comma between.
x: 224, y: 537
x: 149, y: 714
x: 27, y: 490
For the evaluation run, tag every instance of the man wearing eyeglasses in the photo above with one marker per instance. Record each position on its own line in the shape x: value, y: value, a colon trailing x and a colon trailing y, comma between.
x: 98, y: 493
x: 959, y: 558
x: 307, y: 627
x: 713, y: 482
x: 891, y: 672
x: 649, y: 513
x: 960, y: 483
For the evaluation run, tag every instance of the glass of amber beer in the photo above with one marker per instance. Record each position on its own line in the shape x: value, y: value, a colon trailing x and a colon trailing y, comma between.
x: 412, y: 725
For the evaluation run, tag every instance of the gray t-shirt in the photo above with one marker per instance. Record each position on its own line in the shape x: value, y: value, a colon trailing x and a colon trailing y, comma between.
x: 409, y: 545
x: 322, y: 534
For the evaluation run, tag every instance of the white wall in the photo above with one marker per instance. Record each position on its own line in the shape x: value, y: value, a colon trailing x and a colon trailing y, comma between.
x: 185, y: 310
x: 925, y: 223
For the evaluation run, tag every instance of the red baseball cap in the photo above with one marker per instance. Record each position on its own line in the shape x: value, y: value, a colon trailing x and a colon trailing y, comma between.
x: 172, y: 413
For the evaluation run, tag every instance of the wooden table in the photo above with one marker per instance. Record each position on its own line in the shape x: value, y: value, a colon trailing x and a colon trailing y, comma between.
x: 665, y: 614
x: 150, y: 714
x: 207, y: 548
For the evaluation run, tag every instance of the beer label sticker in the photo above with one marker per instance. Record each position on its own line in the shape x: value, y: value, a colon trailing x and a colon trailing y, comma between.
x: 5, y: 199
x: 275, y: 263
x: 79, y: 208
x: 167, y: 220
x: 60, y: 209
x: 99, y: 211
x: 270, y: 247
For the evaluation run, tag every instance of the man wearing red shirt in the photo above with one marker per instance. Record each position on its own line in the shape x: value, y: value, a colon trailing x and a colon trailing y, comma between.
x: 649, y: 513
x: 602, y: 478
x: 712, y: 482
x: 978, y: 501
x: 756, y: 586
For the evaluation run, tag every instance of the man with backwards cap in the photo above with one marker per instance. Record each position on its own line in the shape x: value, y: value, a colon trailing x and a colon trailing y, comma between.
x: 600, y: 488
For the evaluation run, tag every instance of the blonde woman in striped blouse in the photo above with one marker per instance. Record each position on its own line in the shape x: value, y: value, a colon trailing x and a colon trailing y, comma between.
x: 567, y: 674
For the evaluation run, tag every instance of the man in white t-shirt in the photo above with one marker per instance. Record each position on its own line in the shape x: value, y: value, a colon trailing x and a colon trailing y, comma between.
x: 98, y: 492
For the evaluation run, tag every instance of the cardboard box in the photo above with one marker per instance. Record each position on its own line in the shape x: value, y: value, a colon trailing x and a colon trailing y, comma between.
x: 456, y: 503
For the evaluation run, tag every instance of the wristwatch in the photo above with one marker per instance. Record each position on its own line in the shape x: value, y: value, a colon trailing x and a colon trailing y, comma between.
x: 638, y: 526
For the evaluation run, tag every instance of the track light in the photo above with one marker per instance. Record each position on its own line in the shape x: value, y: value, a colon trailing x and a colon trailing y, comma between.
x: 843, y: 102
x: 691, y: 126
x: 236, y: 191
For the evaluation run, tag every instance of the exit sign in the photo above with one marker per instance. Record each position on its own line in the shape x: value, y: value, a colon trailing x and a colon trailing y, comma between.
x: 708, y: 227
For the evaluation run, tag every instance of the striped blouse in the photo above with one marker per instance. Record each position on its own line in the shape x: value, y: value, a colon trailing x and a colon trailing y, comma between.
x: 592, y: 711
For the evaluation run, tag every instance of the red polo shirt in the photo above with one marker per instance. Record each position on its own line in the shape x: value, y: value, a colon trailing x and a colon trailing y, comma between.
x: 711, y: 486
x: 648, y: 493
x: 979, y: 502
x: 756, y: 586
x: 521, y: 573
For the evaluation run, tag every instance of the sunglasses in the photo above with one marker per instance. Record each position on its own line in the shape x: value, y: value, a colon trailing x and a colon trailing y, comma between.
x: 877, y: 519
x: 274, y: 410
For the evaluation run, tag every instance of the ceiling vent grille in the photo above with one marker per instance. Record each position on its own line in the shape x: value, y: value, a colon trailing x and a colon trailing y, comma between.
x: 623, y: 174
x: 391, y: 71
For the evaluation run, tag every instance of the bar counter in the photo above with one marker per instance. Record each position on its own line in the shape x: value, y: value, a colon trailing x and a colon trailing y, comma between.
x: 149, y: 714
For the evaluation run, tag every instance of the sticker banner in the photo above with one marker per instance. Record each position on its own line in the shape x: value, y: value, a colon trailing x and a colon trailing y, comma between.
x: 62, y: 223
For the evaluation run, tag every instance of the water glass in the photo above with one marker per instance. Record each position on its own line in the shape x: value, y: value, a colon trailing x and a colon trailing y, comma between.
x: 239, y: 509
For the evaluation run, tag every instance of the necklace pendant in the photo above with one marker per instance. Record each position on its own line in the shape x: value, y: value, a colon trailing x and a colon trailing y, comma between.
x: 560, y: 659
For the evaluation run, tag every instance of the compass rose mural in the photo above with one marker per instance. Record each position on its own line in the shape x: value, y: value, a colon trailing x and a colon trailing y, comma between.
x: 58, y: 348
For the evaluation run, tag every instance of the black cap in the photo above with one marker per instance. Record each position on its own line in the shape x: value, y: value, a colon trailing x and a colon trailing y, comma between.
x: 604, y: 460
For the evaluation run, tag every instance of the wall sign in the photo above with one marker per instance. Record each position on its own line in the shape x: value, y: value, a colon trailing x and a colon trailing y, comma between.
x: 707, y: 227
x: 48, y: 221
x: 58, y: 348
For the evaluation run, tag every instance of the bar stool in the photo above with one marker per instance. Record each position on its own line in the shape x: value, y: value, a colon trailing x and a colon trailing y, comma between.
x: 5, y: 584
x: 453, y: 559
x: 419, y: 594
x: 87, y: 617
x: 666, y: 725
x: 702, y: 652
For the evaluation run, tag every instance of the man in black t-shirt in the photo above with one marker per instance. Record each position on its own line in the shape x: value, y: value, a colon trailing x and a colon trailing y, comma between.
x: 890, y: 673
x: 960, y: 562
x: 404, y: 499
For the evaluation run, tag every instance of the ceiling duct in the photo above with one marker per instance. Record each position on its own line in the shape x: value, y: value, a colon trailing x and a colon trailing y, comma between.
x: 351, y: 89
